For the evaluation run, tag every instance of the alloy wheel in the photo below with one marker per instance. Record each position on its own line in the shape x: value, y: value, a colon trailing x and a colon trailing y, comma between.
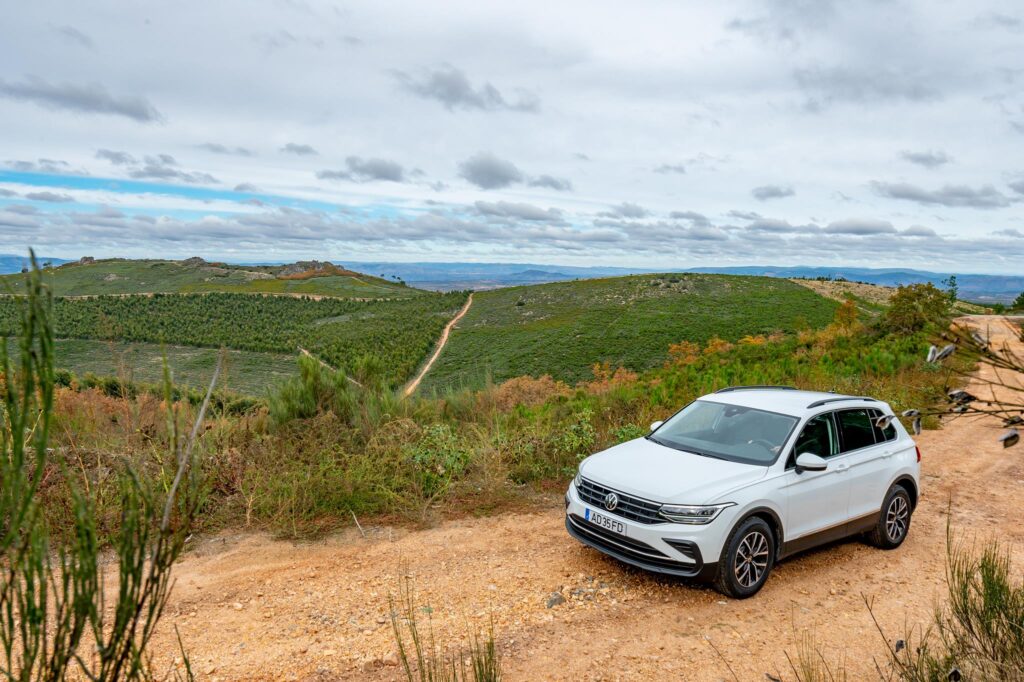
x: 751, y: 559
x: 896, y: 518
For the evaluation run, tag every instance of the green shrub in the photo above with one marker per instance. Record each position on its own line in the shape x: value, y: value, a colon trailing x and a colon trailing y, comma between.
x: 438, y: 459
x: 916, y: 307
x: 628, y: 432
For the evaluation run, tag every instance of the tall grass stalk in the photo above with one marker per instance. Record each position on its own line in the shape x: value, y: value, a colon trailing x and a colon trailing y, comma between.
x: 423, y: 660
x: 978, y: 634
x: 55, y: 617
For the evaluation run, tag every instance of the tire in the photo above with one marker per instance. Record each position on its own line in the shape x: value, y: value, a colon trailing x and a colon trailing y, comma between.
x: 747, y: 560
x: 894, y: 521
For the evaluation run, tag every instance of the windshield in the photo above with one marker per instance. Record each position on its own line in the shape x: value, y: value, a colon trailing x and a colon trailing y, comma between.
x: 730, y: 432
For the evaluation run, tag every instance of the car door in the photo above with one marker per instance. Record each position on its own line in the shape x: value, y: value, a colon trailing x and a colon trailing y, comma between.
x: 816, y: 500
x: 869, y: 451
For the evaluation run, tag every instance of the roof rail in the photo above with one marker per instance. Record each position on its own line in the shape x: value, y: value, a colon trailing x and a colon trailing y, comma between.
x: 753, y: 388
x: 826, y: 401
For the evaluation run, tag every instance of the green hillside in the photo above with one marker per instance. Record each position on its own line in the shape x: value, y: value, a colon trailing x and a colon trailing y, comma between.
x: 562, y: 329
x: 121, y: 276
x: 400, y: 332
x: 245, y: 372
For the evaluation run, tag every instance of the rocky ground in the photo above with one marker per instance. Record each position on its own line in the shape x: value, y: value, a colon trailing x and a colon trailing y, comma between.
x: 252, y: 608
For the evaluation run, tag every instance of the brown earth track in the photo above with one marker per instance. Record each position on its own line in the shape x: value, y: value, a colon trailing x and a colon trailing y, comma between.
x: 252, y: 608
x: 411, y: 387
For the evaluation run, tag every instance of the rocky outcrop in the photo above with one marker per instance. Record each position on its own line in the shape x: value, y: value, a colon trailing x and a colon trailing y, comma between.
x: 304, y: 266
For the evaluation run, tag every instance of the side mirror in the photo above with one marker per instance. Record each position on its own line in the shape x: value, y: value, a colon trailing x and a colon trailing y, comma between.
x: 656, y: 425
x: 808, y: 461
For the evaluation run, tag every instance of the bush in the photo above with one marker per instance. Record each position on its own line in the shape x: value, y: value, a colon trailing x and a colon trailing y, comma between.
x: 916, y: 307
x: 980, y: 630
x: 438, y: 459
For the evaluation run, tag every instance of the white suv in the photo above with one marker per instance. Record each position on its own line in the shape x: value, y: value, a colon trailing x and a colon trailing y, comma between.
x: 744, y: 477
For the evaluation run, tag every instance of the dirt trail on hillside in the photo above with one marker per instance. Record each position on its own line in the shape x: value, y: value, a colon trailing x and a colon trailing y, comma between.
x: 411, y: 387
x: 249, y: 607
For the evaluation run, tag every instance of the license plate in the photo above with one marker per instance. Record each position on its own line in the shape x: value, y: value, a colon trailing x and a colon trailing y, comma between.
x: 603, y: 521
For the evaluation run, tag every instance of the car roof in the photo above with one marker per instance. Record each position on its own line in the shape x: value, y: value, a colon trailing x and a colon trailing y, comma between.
x: 788, y: 401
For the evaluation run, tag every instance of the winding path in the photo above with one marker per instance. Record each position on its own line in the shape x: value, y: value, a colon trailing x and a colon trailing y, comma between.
x: 411, y: 387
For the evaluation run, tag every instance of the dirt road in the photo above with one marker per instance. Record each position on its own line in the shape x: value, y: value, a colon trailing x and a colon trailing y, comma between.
x: 252, y: 608
x: 411, y: 387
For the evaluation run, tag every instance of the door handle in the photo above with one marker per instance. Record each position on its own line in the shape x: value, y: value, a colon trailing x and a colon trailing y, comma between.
x: 842, y: 466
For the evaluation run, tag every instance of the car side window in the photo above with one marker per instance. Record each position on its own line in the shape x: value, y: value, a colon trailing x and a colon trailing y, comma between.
x: 818, y: 438
x: 856, y: 428
x: 882, y: 435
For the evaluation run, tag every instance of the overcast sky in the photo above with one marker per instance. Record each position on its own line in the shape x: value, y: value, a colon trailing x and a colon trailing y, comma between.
x: 653, y: 134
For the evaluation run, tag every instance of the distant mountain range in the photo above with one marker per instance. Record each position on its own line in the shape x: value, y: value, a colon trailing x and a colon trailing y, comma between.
x: 448, y: 276
x: 458, y: 275
x: 981, y: 288
x: 9, y: 263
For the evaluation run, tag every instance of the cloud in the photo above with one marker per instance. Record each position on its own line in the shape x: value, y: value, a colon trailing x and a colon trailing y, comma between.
x: 116, y: 158
x: 626, y: 210
x: 766, y: 192
x: 953, y: 196
x: 551, y: 182
x: 452, y: 88
x: 825, y: 86
x: 919, y: 231
x: 1017, y: 186
x: 23, y: 209
x: 16, y: 221
x: 73, y: 35
x: 87, y: 99
x: 487, y: 171
x: 217, y: 148
x: 51, y: 197
x: 668, y: 168
x: 366, y: 170
x: 776, y: 226
x: 507, y: 209
x: 7, y: 193
x: 51, y: 166
x: 152, y: 171
x: 298, y: 149
x: 155, y: 167
x: 860, y: 226
x: 785, y: 21
x: 999, y: 20
x: 697, y: 219
x: 928, y: 159
x: 246, y: 187
x: 744, y: 215
x: 1009, y: 232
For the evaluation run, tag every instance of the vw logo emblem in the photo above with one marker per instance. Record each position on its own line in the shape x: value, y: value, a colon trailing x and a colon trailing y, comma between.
x: 611, y: 501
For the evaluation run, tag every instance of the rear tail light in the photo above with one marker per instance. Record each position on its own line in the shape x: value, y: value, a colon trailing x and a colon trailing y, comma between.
x: 918, y: 448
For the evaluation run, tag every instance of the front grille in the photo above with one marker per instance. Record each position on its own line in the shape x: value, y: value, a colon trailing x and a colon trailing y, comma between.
x: 632, y: 508
x: 627, y: 549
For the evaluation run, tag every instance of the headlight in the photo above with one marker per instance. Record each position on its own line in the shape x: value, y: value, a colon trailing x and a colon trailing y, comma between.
x: 695, y: 515
x: 577, y: 479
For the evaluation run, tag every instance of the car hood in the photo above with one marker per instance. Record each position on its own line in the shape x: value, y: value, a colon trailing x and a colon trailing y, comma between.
x: 643, y: 468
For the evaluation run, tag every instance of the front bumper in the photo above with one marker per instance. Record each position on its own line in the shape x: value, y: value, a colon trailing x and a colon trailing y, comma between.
x: 667, y: 548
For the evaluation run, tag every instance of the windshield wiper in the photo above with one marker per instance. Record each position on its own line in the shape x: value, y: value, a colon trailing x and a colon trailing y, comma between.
x: 680, y: 448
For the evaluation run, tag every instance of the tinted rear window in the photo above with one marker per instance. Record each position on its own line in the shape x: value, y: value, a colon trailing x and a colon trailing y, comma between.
x: 857, y: 429
x: 881, y: 435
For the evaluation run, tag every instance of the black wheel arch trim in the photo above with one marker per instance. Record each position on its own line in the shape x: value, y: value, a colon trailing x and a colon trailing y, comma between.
x: 774, y: 523
x: 913, y: 490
